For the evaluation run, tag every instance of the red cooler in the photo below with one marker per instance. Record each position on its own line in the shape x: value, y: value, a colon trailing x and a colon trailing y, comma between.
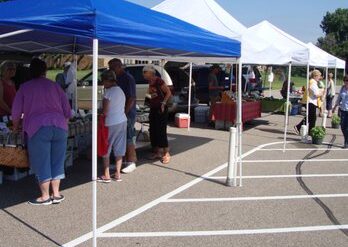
x: 182, y: 120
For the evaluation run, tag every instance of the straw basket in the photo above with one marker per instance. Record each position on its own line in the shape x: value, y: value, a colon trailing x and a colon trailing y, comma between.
x: 13, y: 155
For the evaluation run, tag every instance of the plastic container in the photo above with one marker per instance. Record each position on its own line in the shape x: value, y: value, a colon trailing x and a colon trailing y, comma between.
x: 182, y: 120
x: 294, y: 110
x: 201, y: 114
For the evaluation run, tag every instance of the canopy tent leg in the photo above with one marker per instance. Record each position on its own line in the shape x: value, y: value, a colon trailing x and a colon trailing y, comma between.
x: 231, y: 79
x: 270, y: 83
x: 324, y: 111
x: 287, y: 107
x: 94, y: 138
x: 189, y: 99
x: 75, y: 79
x: 307, y: 102
x: 239, y: 122
x: 335, y: 82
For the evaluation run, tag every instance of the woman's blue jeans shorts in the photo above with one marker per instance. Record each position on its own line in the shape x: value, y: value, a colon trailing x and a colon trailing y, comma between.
x: 47, y: 149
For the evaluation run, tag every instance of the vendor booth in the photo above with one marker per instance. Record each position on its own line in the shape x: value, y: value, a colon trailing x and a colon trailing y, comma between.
x: 116, y: 28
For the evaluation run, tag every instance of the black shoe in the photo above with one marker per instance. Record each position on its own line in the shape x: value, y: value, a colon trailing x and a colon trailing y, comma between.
x: 57, y: 200
x: 35, y: 202
x: 345, y: 146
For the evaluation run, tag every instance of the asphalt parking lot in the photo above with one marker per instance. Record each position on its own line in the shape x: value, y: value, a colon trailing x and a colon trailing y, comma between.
x: 296, y: 198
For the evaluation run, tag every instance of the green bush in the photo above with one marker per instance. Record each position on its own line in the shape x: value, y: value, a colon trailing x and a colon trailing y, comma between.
x: 336, y: 120
x: 318, y: 132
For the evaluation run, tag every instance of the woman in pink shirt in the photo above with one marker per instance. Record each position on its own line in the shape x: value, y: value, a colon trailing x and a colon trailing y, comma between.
x: 45, y: 110
x: 7, y: 88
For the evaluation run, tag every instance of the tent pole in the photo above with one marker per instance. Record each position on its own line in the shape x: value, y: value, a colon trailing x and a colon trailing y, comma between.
x: 335, y: 82
x: 324, y: 105
x: 270, y: 84
x: 189, y: 98
x: 231, y: 75
x: 239, y: 122
x: 75, y: 79
x: 94, y: 137
x: 307, y: 102
x: 287, y: 107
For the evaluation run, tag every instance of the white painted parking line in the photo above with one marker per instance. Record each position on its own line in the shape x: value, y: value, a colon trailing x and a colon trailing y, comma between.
x: 255, y: 198
x: 224, y: 232
x: 283, y: 176
x: 303, y: 149
x: 155, y: 202
x: 296, y: 160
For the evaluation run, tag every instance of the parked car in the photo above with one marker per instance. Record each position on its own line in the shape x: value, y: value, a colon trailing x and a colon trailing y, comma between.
x: 250, y: 84
x: 179, y: 100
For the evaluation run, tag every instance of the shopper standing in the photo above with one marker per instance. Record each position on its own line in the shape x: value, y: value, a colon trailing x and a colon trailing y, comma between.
x: 342, y: 103
x: 115, y: 119
x: 46, y: 111
x: 159, y: 94
x: 315, y: 93
x: 214, y: 89
x: 127, y: 83
x: 7, y: 88
x: 330, y: 94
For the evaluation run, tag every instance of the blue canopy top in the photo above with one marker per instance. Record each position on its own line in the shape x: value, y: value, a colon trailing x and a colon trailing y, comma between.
x: 122, y: 28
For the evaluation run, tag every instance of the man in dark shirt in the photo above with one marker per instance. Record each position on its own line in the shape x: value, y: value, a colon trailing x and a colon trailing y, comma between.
x: 127, y: 83
x: 214, y: 89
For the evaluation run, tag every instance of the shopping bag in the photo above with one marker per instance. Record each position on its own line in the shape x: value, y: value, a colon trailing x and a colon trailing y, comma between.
x: 103, y: 136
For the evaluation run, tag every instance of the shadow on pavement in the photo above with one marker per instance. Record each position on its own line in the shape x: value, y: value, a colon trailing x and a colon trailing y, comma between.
x: 13, y: 193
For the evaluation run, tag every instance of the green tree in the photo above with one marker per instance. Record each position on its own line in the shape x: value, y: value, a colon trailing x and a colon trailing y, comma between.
x: 335, y: 27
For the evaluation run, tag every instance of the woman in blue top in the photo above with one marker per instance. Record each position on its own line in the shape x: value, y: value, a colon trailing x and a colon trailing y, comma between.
x: 342, y: 103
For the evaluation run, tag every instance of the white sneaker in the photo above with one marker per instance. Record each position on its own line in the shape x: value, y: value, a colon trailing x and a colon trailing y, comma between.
x: 129, y: 168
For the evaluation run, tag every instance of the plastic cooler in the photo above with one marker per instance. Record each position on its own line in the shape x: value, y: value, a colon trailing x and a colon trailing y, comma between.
x: 202, y: 114
x: 182, y: 120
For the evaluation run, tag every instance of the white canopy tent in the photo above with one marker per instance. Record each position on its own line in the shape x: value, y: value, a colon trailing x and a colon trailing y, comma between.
x: 273, y: 46
x: 206, y: 14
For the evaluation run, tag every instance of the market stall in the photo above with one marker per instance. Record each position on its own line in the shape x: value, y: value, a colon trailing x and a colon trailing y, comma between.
x: 225, y: 114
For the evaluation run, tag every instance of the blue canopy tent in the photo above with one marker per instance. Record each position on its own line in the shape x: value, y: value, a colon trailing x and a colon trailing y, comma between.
x: 122, y: 28
x: 107, y: 27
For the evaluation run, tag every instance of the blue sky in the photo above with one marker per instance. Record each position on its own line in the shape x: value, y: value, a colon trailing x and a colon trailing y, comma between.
x: 300, y: 18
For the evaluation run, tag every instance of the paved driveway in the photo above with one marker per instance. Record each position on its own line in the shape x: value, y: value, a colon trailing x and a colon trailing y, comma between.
x: 296, y: 198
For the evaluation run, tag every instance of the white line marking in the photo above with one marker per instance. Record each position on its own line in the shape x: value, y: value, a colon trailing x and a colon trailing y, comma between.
x: 255, y: 198
x: 225, y: 232
x: 303, y: 149
x: 157, y: 201
x: 284, y: 176
x: 296, y: 160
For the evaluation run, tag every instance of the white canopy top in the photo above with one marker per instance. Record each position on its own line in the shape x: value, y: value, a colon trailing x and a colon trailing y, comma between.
x: 319, y: 57
x: 319, y: 54
x: 273, y: 46
x: 206, y: 14
x: 261, y: 44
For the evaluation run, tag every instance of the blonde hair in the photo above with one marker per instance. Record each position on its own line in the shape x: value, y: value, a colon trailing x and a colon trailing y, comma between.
x: 5, y: 65
x: 315, y: 73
